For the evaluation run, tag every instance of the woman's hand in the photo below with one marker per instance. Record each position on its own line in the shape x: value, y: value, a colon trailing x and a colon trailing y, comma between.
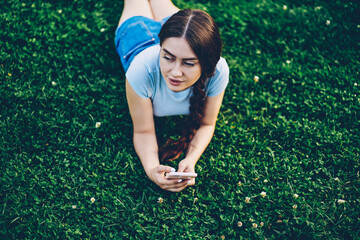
x: 187, y: 165
x: 157, y: 175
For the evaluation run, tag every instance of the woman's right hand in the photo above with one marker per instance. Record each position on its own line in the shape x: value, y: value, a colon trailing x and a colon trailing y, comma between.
x: 157, y: 175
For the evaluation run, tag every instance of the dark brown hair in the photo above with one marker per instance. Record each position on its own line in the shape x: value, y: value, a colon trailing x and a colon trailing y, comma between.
x: 202, y: 34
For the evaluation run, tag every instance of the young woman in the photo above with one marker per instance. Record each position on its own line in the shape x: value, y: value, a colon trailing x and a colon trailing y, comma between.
x: 173, y: 67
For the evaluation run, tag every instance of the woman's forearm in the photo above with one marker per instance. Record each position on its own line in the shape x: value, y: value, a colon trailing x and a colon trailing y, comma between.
x: 147, y: 149
x: 199, y: 142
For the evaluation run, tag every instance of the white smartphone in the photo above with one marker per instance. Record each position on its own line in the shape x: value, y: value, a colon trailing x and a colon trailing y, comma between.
x: 181, y: 175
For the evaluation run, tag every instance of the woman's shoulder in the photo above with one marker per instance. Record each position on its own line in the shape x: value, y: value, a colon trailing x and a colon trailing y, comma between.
x: 149, y: 57
x: 222, y: 66
x: 217, y: 83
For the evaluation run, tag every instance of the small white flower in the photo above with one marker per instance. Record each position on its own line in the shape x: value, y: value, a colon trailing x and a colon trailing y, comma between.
x: 258, y: 51
x: 239, y: 184
x: 98, y: 124
x: 60, y: 11
x: 328, y: 22
x: 251, y: 220
x: 247, y: 199
x: 288, y: 61
x: 263, y: 194
x: 341, y: 201
x: 294, y: 206
x: 337, y: 179
x: 102, y: 30
x: 92, y: 200
x: 254, y: 225
x: 196, y: 199
x: 317, y: 8
x: 265, y: 181
x: 355, y: 84
x: 239, y: 224
x: 160, y: 200
x: 256, y: 78
x: 262, y: 224
x: 53, y: 83
x: 296, y: 196
x: 284, y: 7
x: 73, y: 206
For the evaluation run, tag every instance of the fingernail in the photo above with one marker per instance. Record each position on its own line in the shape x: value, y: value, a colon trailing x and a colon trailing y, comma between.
x: 180, y: 180
x: 173, y: 170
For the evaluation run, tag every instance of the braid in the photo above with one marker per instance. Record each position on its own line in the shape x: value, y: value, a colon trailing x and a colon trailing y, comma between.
x: 174, y: 148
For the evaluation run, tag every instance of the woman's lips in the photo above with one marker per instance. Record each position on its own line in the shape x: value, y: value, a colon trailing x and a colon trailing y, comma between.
x: 175, y: 82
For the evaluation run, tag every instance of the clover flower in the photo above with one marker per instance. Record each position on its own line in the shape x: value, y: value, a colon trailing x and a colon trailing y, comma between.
x: 254, y: 225
x: 263, y: 194
x: 222, y: 237
x: 98, y: 124
x: 256, y: 78
x: 247, y: 199
x: 160, y: 200
x: 239, y: 224
x: 284, y: 7
x: 296, y: 196
x: 73, y: 206
x: 102, y: 30
x: 341, y: 201
x: 288, y: 61
x: 262, y: 224
x: 355, y: 84
x: 92, y: 200
x: 251, y: 220
x: 60, y: 11
x: 337, y: 179
x: 239, y: 184
x: 196, y: 199
x: 265, y: 181
x: 53, y: 83
x: 294, y: 206
x: 328, y: 22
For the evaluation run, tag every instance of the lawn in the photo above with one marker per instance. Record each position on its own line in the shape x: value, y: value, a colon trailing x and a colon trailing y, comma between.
x: 284, y: 162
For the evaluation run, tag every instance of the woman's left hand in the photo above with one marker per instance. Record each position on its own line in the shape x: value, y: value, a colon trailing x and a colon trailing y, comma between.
x: 186, y: 165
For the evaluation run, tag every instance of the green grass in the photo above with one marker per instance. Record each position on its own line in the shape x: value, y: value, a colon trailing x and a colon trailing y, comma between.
x: 295, y: 131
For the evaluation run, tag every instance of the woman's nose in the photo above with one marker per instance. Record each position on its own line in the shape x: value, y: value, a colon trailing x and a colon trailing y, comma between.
x: 176, y: 71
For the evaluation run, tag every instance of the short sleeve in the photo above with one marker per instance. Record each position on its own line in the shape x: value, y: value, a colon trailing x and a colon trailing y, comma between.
x: 217, y: 83
x: 140, y: 79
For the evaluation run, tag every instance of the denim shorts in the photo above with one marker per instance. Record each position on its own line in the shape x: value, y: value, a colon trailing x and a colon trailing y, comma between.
x: 134, y: 35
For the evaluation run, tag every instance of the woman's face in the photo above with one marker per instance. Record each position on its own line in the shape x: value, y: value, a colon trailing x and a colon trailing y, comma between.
x: 178, y: 64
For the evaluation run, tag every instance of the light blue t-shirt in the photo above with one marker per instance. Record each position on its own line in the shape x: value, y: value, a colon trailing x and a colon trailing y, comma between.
x: 145, y: 78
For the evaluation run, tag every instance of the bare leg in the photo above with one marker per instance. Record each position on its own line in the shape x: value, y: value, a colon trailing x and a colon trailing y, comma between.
x: 162, y: 9
x: 135, y: 8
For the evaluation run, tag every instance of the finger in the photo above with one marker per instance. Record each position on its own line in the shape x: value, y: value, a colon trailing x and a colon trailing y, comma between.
x: 163, y: 168
x: 181, y: 167
x: 168, y: 182
x: 173, y: 184
x: 177, y: 189
x: 191, y: 182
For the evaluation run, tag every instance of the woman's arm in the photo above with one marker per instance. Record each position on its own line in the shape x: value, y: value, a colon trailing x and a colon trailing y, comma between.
x: 203, y: 135
x: 145, y: 142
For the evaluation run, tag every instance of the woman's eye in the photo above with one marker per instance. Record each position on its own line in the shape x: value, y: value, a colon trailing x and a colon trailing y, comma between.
x: 189, y: 64
x: 167, y: 58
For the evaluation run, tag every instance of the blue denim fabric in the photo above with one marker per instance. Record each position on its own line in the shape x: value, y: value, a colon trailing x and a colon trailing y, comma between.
x: 134, y: 35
